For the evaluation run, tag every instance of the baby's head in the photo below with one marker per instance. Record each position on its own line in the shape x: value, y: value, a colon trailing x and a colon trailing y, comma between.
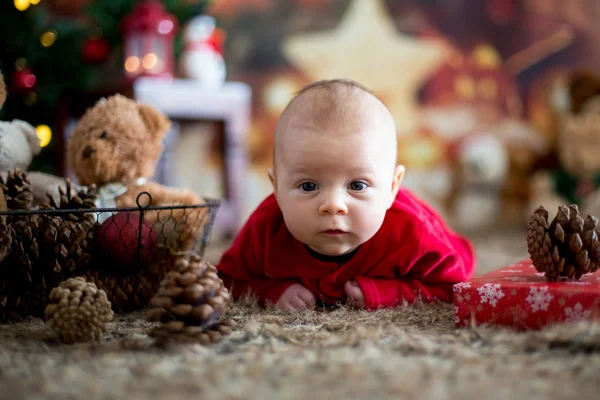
x: 335, y: 172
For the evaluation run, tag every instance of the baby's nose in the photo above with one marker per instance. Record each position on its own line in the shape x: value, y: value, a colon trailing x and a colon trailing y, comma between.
x: 332, y: 205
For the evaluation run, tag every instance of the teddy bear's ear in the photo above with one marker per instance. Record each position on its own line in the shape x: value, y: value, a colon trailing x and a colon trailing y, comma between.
x: 156, y: 122
x: 29, y: 131
x: 582, y: 87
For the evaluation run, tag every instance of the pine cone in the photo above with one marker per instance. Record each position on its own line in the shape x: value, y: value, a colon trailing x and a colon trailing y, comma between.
x: 6, y: 237
x: 566, y: 247
x: 3, y: 205
x: 78, y: 311
x: 17, y: 190
x: 83, y: 199
x: 126, y: 293
x: 189, y: 303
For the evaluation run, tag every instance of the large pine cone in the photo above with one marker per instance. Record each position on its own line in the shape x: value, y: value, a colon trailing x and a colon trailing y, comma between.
x: 70, y: 236
x: 78, y: 311
x: 17, y: 190
x: 6, y: 237
x: 566, y: 247
x: 85, y: 198
x: 190, y: 303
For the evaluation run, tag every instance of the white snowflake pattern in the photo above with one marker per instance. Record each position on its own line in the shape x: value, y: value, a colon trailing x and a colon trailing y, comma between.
x: 456, y: 319
x: 515, y: 278
x: 576, y: 313
x: 578, y: 283
x: 460, y: 286
x: 490, y: 293
x: 513, y: 271
x: 539, y: 298
x: 540, y: 273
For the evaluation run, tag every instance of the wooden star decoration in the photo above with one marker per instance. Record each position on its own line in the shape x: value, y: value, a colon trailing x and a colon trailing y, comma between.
x: 367, y: 47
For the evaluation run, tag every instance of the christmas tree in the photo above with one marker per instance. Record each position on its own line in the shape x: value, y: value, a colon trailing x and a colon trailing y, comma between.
x: 52, y: 46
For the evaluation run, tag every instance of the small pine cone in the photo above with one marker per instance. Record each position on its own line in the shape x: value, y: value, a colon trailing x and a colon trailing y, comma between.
x: 190, y: 302
x: 78, y: 311
x: 566, y: 247
x: 17, y: 190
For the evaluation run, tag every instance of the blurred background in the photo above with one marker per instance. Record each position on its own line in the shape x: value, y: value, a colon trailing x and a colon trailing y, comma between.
x: 478, y: 88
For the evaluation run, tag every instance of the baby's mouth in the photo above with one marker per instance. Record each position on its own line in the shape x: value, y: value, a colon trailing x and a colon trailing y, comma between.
x: 333, y: 232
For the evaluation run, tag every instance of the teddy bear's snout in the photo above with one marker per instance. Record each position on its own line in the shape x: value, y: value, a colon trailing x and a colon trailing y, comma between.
x: 87, y: 152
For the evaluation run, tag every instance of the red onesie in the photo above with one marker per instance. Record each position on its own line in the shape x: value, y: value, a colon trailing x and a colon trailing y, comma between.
x: 413, y: 254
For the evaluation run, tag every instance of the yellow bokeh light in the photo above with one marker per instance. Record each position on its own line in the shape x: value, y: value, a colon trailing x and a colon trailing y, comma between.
x: 149, y: 61
x: 44, y: 133
x: 278, y: 93
x: 20, y: 63
x: 22, y: 5
x: 47, y: 39
x: 34, y: 2
x: 420, y: 152
x: 486, y: 57
x: 132, y: 64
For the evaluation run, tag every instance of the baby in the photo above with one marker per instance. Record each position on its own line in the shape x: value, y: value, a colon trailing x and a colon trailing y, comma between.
x: 338, y: 227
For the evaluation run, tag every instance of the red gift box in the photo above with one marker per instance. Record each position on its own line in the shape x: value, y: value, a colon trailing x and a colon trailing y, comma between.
x: 520, y: 296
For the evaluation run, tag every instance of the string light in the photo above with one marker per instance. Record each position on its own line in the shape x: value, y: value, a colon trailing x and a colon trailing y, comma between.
x: 149, y: 60
x: 22, y: 5
x: 20, y: 63
x: 132, y: 63
x: 47, y: 39
x: 44, y: 133
x: 34, y: 2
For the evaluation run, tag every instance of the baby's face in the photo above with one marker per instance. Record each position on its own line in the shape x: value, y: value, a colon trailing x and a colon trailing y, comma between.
x: 334, y: 187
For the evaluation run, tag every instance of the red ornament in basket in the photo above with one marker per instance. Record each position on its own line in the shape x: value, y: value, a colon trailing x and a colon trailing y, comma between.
x: 122, y: 238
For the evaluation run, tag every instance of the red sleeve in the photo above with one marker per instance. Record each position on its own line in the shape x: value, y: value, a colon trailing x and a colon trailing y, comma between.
x: 242, y: 266
x: 437, y: 259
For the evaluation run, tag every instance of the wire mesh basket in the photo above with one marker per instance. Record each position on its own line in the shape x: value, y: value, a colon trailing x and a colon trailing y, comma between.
x: 118, y: 248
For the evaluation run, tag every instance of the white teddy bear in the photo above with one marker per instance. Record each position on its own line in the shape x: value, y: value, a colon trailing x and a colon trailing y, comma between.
x: 19, y: 143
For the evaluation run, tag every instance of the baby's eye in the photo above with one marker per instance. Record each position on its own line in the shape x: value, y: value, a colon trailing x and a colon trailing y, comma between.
x: 103, y: 135
x: 357, y: 186
x: 308, y: 186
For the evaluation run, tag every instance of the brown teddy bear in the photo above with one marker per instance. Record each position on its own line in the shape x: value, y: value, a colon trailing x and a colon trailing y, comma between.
x: 575, y: 177
x: 116, y: 145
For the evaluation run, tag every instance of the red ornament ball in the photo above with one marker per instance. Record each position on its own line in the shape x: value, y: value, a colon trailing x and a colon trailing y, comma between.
x: 23, y: 80
x: 118, y: 238
x: 95, y: 50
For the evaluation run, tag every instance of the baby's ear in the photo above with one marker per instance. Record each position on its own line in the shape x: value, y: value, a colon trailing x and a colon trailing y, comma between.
x: 271, y: 174
x: 156, y: 122
x: 397, y: 180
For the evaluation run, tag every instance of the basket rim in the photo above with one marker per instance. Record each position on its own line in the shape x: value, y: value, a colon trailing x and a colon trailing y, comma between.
x: 209, y: 203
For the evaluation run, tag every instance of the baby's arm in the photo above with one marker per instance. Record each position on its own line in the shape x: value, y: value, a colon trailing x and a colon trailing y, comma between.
x: 430, y: 275
x: 242, y: 265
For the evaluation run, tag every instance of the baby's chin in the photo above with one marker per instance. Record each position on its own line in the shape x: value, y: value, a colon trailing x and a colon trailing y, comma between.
x: 333, y: 250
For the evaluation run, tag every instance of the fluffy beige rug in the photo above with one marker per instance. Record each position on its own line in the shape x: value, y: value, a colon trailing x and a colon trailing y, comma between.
x: 411, y: 352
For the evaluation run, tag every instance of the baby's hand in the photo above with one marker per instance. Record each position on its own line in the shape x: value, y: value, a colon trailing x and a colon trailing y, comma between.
x: 355, y: 295
x: 296, y: 297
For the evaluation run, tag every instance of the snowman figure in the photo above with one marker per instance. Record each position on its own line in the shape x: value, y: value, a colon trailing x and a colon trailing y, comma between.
x: 201, y: 60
